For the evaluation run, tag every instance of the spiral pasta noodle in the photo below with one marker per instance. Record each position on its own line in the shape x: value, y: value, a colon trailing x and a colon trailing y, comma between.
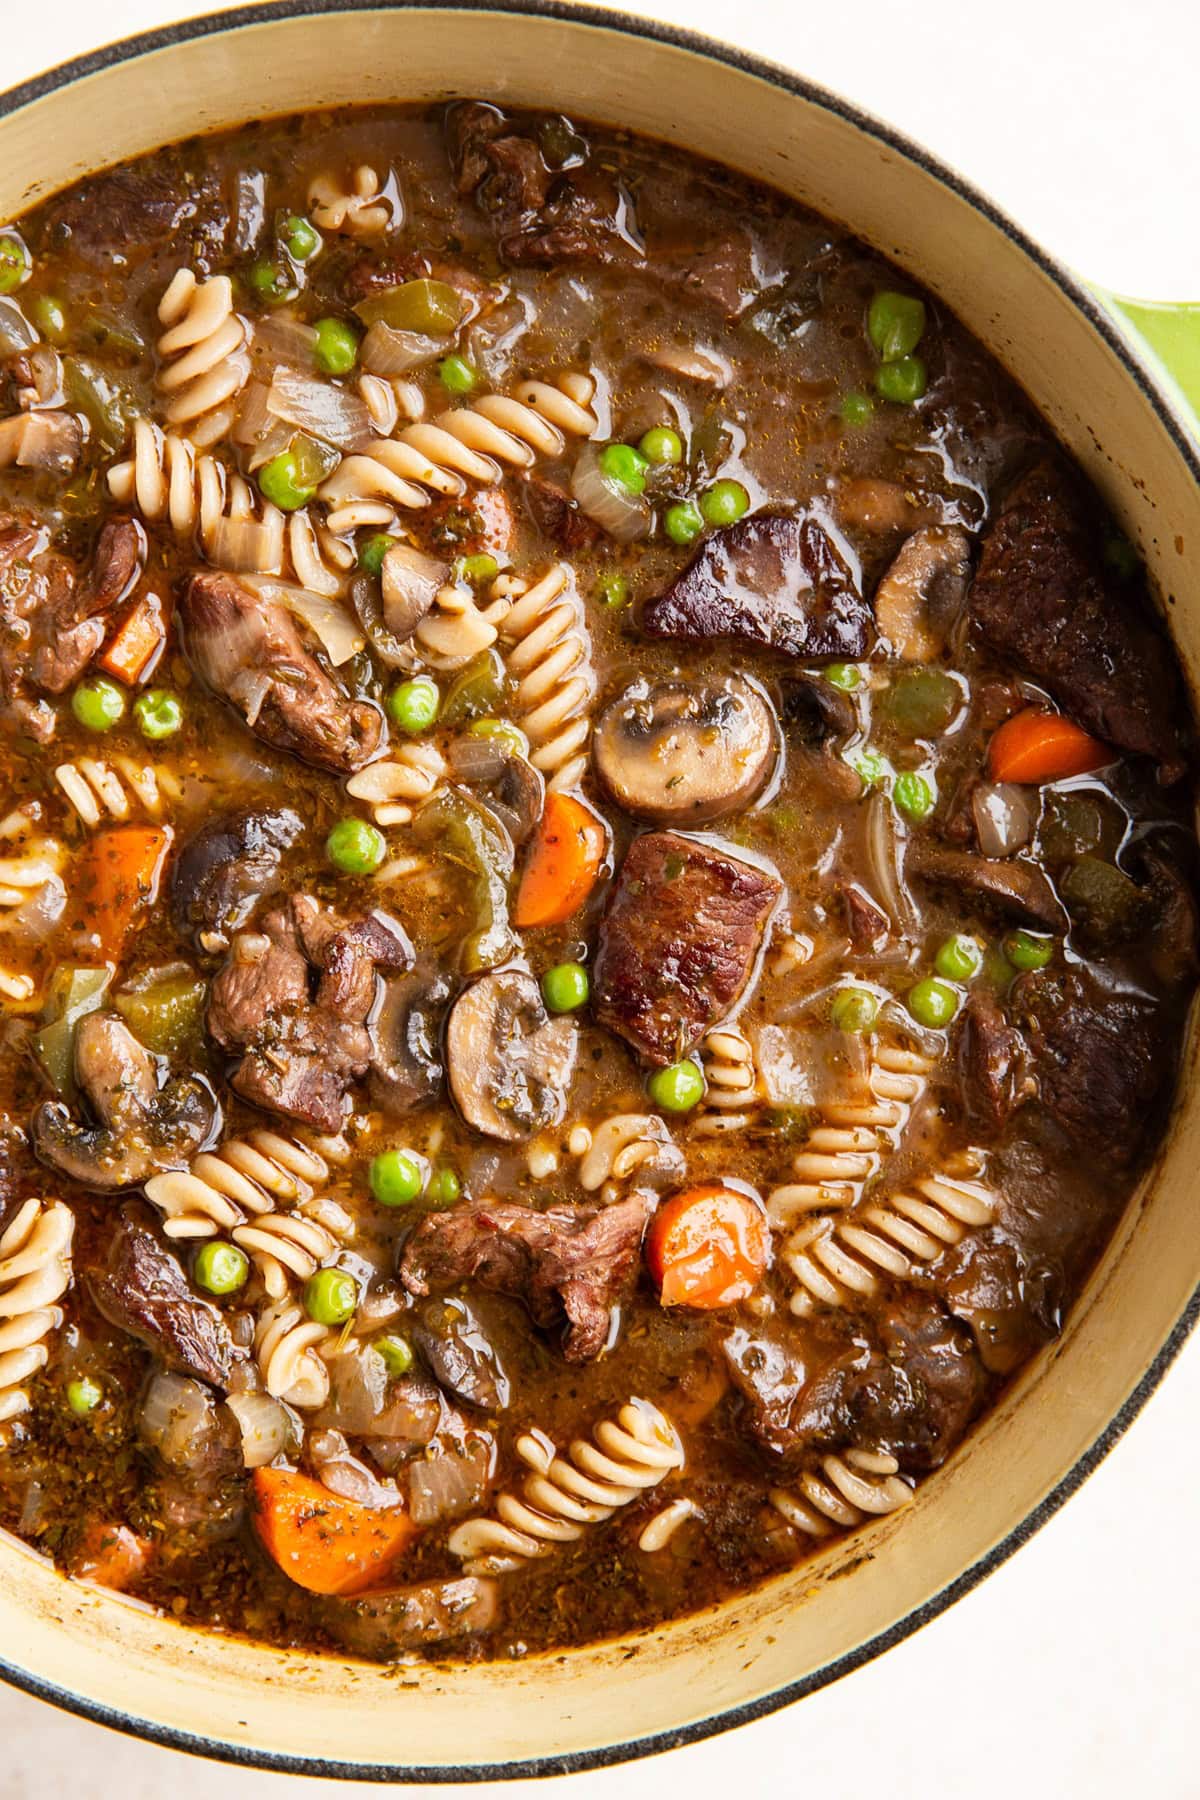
x: 287, y: 1246
x: 204, y: 355
x: 549, y: 656
x: 249, y: 1175
x: 397, y: 786
x: 99, y: 790
x: 286, y: 1343
x: 849, y: 1488
x: 35, y: 1271
x: 359, y: 207
x: 732, y: 1091
x: 625, y: 1146
x: 563, y: 1494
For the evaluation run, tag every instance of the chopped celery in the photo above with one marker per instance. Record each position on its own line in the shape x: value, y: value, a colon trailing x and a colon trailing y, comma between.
x: 165, y: 1017
x: 467, y: 834
x: 476, y: 690
x: 73, y: 993
x: 432, y: 308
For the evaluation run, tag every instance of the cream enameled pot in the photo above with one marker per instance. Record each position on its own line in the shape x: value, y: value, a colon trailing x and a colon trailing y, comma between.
x: 1127, y: 420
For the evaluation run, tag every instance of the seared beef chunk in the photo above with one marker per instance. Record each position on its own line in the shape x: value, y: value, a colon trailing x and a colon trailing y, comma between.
x: 140, y: 1129
x: 1009, y: 886
x: 247, y: 649
x: 1042, y: 600
x: 572, y: 1261
x: 557, y: 516
x: 159, y: 203
x: 460, y: 1355
x: 679, y: 942
x: 141, y: 1288
x: 776, y: 579
x: 1011, y: 1306
x: 220, y: 874
x: 991, y: 1062
x: 390, y: 1621
x: 119, y: 559
x: 302, y: 1053
x: 1100, y: 1061
x: 869, y: 927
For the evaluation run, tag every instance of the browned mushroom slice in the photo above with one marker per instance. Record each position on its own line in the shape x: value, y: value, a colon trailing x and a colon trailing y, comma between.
x: 683, y: 754
x: 923, y: 592
x: 1017, y: 889
x: 509, y: 1063
x: 409, y: 580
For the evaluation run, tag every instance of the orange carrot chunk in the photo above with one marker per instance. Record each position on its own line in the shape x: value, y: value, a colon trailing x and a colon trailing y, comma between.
x: 134, y: 647
x: 564, y: 863
x: 1036, y: 746
x: 117, y: 878
x: 112, y: 1555
x: 322, y: 1542
x: 707, y: 1247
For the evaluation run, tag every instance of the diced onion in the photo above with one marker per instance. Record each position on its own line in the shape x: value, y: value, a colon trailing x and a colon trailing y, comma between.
x: 333, y: 414
x: 287, y: 337
x: 16, y: 333
x: 1005, y: 817
x: 34, y: 919
x: 387, y: 351
x: 444, y: 1487
x: 339, y: 632
x: 267, y: 1428
x: 246, y: 546
x: 623, y: 515
x: 175, y: 1419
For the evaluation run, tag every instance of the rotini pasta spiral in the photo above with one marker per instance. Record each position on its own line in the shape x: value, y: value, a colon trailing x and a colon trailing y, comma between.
x: 249, y: 1175
x: 549, y: 656
x: 733, y: 1091
x: 204, y: 355
x: 286, y: 1343
x: 630, y: 1454
x: 397, y: 786
x: 98, y: 790
x: 359, y: 207
x: 626, y: 1146
x: 848, y: 1489
x: 293, y: 1244
x: 35, y: 1271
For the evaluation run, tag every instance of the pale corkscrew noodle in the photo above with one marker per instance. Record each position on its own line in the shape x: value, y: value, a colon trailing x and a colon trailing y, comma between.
x: 458, y: 627
x: 733, y: 1092
x: 472, y: 445
x: 549, y: 655
x: 356, y: 205
x: 249, y: 1175
x: 286, y: 1345
x: 847, y: 1489
x: 290, y: 1246
x: 397, y: 786
x: 390, y: 401
x: 204, y: 355
x: 843, y: 1257
x: 34, y: 861
x: 116, y: 789
x: 622, y: 1148
x: 563, y: 1494
x: 663, y: 1526
x: 35, y: 1272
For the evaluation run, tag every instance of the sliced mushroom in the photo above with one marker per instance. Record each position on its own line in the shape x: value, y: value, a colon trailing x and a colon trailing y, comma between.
x: 515, y: 791
x: 460, y: 1355
x: 410, y: 581
x: 1015, y: 888
x: 509, y: 1063
x: 819, y: 719
x: 406, y: 1033
x: 222, y: 872
x: 684, y: 754
x: 924, y: 591
x: 140, y: 1128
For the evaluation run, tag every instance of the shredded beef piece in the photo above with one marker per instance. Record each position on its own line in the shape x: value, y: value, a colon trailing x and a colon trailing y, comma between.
x: 389, y: 1621
x: 575, y: 1261
x: 142, y: 1289
x: 155, y: 203
x: 557, y: 516
x: 775, y: 579
x: 679, y: 942
x: 869, y: 927
x: 991, y: 1062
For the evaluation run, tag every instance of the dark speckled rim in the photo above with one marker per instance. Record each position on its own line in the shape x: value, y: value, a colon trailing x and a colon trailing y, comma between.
x: 1163, y: 405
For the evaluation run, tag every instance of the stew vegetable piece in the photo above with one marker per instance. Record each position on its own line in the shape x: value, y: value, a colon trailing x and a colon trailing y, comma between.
x: 596, y: 882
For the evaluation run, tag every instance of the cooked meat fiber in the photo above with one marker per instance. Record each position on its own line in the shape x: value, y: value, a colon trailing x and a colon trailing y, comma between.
x: 1041, y: 599
x: 141, y: 1288
x: 679, y: 942
x: 248, y: 649
x: 992, y: 1063
x: 574, y: 1263
x: 774, y: 579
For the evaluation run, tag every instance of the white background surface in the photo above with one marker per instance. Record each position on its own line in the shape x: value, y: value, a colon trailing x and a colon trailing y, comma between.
x: 1074, y: 1670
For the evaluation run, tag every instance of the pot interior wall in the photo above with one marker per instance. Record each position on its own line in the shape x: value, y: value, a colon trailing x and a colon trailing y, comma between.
x: 112, y: 1655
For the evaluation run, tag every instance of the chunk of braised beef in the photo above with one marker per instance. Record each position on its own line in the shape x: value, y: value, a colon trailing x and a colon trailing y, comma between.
x: 1012, y: 1305
x: 991, y: 1062
x: 52, y: 623
x: 141, y: 1288
x: 775, y: 579
x: 867, y: 924
x: 1042, y: 599
x: 557, y: 517
x: 390, y: 1621
x: 222, y: 872
x: 574, y: 1264
x: 679, y: 942
x: 248, y: 650
x: 157, y: 203
x: 1009, y: 886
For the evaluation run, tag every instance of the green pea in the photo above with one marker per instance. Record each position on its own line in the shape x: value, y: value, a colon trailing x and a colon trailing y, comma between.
x: 846, y: 676
x: 682, y: 522
x: 677, y: 1088
x: 336, y: 348
x: 330, y: 1297
x: 413, y: 706
x: 662, y: 445
x: 456, y: 374
x: 932, y: 1002
x: 372, y: 551
x: 502, y: 729
x: 914, y: 796
x: 895, y: 324
x: 724, y: 503
x: 854, y: 1009
x: 355, y: 847
x: 959, y: 958
x: 565, y: 987
x: 444, y: 1186
x: 624, y: 465
x: 98, y: 704
x: 477, y: 569
x: 398, y: 1177
x: 280, y: 483
x: 220, y: 1268
x: 903, y: 381
x: 301, y: 237
x: 396, y: 1354
x: 15, y: 263
x: 84, y: 1395
x: 922, y: 702
x: 49, y: 316
x: 869, y: 766
x: 272, y: 283
x: 613, y: 590
x: 857, y: 408
x: 1024, y: 950
x: 158, y: 714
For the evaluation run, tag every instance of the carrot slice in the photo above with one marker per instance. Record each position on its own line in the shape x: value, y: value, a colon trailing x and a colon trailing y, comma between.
x: 320, y: 1541
x: 112, y: 1555
x: 134, y: 647
x: 117, y: 877
x: 564, y: 863
x: 1036, y: 746
x: 707, y: 1246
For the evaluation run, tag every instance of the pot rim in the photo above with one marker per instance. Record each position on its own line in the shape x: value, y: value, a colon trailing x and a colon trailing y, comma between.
x: 1165, y: 405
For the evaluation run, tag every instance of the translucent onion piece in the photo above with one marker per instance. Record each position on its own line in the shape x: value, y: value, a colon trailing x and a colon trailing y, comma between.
x: 444, y: 1487
x: 286, y: 337
x: 1005, y: 817
x: 334, y: 414
x: 249, y: 546
x: 339, y: 632
x: 266, y: 1426
x: 16, y: 333
x: 884, y: 861
x: 176, y: 1418
x: 624, y: 516
x: 387, y: 351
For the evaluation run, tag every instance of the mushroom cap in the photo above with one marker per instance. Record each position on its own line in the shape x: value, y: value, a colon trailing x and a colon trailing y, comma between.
x: 685, y: 753
x: 509, y: 1063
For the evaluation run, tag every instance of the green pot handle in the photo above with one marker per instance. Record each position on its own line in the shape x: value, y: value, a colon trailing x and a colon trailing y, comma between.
x: 1168, y: 338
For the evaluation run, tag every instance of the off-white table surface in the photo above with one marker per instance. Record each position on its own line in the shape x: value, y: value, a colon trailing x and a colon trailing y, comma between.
x: 1073, y: 1671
